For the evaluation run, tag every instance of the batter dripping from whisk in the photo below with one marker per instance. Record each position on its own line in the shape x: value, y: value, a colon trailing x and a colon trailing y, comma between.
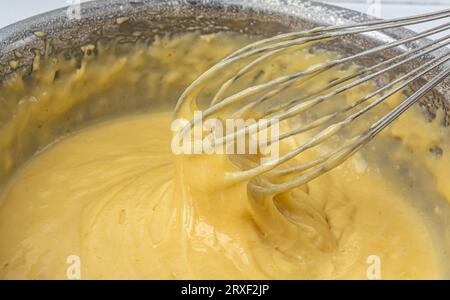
x: 116, y: 196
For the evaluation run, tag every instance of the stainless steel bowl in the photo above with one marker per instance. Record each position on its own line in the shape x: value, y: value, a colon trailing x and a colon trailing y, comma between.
x: 156, y: 17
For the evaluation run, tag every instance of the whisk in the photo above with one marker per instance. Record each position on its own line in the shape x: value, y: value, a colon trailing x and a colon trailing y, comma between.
x: 250, y: 98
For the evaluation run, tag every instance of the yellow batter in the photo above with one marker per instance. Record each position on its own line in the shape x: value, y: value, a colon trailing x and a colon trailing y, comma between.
x: 115, y: 195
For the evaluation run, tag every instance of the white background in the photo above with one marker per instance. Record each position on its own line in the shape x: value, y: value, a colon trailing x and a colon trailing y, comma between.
x: 15, y: 10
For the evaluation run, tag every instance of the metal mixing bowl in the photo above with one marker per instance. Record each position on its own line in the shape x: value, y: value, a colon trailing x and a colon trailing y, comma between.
x: 156, y: 17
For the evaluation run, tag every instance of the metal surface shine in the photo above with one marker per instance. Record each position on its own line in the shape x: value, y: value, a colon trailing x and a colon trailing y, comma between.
x: 159, y: 17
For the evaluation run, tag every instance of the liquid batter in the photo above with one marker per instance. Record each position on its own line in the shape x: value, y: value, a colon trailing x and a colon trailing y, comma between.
x: 114, y: 195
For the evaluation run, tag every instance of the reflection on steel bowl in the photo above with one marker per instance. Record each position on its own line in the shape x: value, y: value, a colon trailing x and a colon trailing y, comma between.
x: 89, y: 182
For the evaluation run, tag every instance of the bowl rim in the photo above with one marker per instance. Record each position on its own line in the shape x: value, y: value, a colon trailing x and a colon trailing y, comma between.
x: 304, y: 9
x: 21, y: 33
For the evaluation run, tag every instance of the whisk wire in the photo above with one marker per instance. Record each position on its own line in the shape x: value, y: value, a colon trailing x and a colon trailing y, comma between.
x: 251, y: 98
